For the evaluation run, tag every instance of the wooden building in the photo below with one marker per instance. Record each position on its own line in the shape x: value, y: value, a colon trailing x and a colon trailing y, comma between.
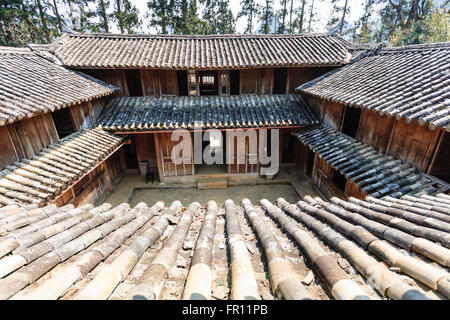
x: 50, y: 150
x: 356, y: 105
x: 244, y: 77
x: 368, y: 124
x: 396, y: 100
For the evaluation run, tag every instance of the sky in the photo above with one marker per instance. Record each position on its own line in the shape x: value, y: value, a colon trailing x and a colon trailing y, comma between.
x: 322, y: 8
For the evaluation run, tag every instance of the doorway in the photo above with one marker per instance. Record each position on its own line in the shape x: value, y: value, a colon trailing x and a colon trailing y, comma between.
x: 217, y: 144
x: 209, y: 84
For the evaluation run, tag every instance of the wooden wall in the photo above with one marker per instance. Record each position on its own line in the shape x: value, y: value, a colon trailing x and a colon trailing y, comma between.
x: 166, y: 167
x: 150, y: 82
x: 298, y: 76
x: 26, y: 138
x: 164, y: 82
x: 117, y: 77
x: 242, y: 154
x: 103, y: 178
x: 145, y: 149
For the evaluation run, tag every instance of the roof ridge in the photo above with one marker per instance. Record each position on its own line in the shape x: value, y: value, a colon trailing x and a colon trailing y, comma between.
x: 194, y: 36
x: 15, y: 50
x: 421, y: 46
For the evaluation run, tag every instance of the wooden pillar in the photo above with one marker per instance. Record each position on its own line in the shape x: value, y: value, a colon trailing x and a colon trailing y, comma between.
x: 107, y: 175
x: 158, y: 155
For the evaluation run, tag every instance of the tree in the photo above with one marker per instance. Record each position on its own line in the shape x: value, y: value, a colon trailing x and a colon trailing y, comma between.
x: 249, y: 9
x: 291, y: 13
x: 209, y: 16
x: 434, y: 28
x: 126, y: 16
x: 266, y: 16
x: 337, y: 21
x: 225, y: 20
x: 58, y: 17
x: 195, y: 25
x: 282, y: 13
x: 44, y: 20
x: 160, y: 15
x: 311, y: 15
x: 102, y: 7
x: 362, y: 31
x: 300, y: 17
x: 400, y: 16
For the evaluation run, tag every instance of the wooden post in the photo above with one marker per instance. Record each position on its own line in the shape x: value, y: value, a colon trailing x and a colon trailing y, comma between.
x: 158, y: 156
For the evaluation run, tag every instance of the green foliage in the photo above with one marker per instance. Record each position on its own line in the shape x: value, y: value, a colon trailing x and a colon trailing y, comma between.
x: 395, y: 22
x: 434, y: 28
x: 266, y: 16
x: 127, y: 16
x: 249, y: 9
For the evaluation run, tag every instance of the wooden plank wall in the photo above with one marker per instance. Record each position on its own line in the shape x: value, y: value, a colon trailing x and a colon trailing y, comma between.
x: 375, y: 130
x: 117, y: 77
x: 145, y: 149
x: 27, y: 138
x: 333, y: 114
x: 150, y: 82
x: 301, y: 75
x: 168, y: 82
x: 252, y: 81
x: 94, y: 185
x: 35, y: 134
x: 244, y: 158
x: 166, y: 167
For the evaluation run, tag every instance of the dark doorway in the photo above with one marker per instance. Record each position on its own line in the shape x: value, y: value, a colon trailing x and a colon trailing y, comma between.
x: 234, y: 82
x: 279, y: 80
x: 130, y: 155
x: 208, y: 83
x: 63, y: 122
x: 351, y: 121
x: 441, y: 166
x: 182, y: 83
x: 309, y: 162
x: 134, y: 83
x: 289, y: 148
x: 339, y: 180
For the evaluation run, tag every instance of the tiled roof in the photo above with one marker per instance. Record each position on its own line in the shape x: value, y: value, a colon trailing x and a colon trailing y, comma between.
x: 375, y: 173
x: 127, y: 253
x: 40, y: 179
x: 410, y: 82
x: 200, y: 52
x: 31, y: 84
x: 170, y: 113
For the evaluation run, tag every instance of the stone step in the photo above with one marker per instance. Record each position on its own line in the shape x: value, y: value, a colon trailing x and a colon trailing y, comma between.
x: 212, y: 184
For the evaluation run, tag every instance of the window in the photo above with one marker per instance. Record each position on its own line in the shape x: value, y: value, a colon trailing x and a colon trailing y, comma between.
x: 192, y: 83
x: 225, y: 82
x: 63, y: 122
x: 279, y: 80
x: 209, y: 85
x: 339, y: 180
x: 351, y: 121
x: 441, y: 166
x: 134, y: 83
x: 289, y: 148
x: 208, y: 80
x: 234, y: 82
x: 182, y: 83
